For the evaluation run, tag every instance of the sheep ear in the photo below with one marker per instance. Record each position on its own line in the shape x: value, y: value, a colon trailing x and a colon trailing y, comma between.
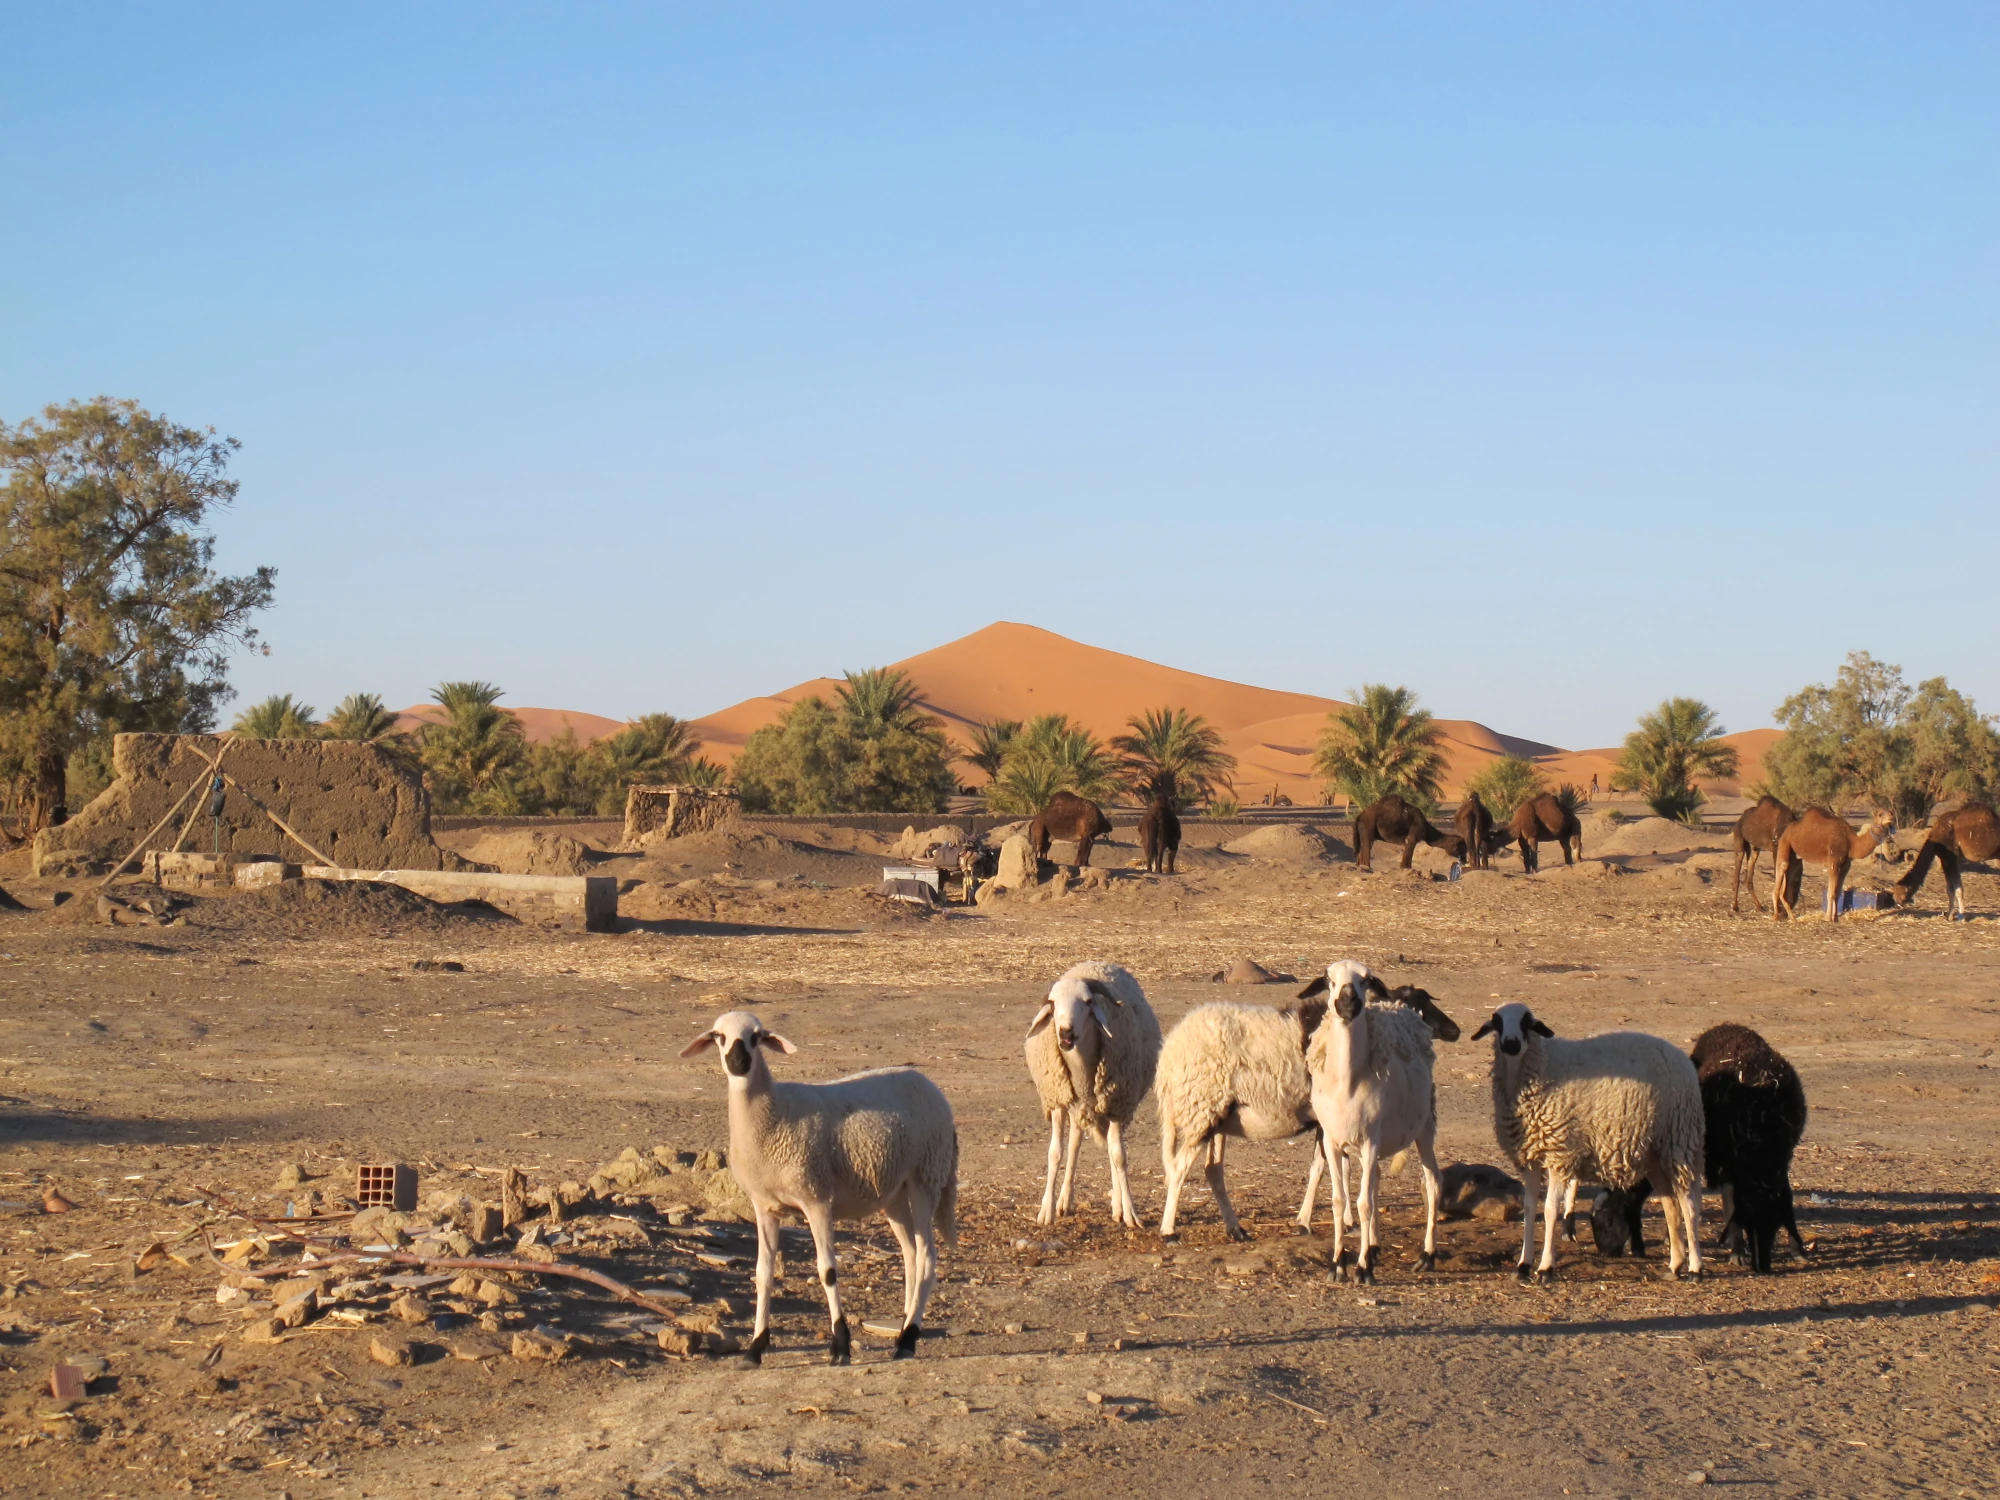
x: 700, y: 1044
x: 775, y: 1042
x: 1492, y: 1025
x: 1538, y: 1028
x: 1101, y: 1014
x: 1042, y: 1017
x: 1375, y: 985
x: 1317, y: 987
x: 1102, y: 991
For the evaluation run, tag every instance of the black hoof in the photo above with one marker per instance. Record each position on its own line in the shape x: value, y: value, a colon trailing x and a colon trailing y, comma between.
x: 840, y: 1349
x: 1681, y: 1274
x: 1544, y: 1278
x: 906, y: 1343
x: 754, y: 1353
x: 1427, y: 1261
x: 1364, y: 1275
x: 1239, y: 1233
x: 1523, y: 1271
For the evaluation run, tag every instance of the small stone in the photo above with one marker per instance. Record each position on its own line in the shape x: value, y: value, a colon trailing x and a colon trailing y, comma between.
x: 681, y: 1342
x: 291, y: 1175
x: 1095, y: 1398
x: 411, y: 1308
x: 1079, y: 1338
x: 263, y: 1331
x: 1699, y: 1476
x: 230, y: 1296
x: 709, y: 1161
x: 390, y: 1349
x: 493, y: 1294
x: 485, y: 1223
x: 490, y: 1322
x: 474, y: 1349
x: 539, y: 1348
x: 1013, y: 1328
x: 467, y: 1285
x: 296, y: 1312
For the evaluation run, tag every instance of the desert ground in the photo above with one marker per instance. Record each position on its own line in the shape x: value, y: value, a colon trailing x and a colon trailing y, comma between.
x: 158, y: 1078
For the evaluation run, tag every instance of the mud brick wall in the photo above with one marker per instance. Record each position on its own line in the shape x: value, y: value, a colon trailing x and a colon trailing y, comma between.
x: 350, y: 799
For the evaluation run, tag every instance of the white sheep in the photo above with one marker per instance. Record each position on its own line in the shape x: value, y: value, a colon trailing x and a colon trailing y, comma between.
x: 1092, y: 1049
x: 1232, y: 1070
x: 884, y: 1140
x: 1373, y: 1092
x: 1612, y: 1109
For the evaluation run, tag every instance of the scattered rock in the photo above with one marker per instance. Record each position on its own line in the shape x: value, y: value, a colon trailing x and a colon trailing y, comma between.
x: 493, y: 1294
x: 485, y: 1224
x: 536, y: 1347
x: 682, y: 1342
x: 438, y: 966
x: 296, y: 1312
x: 474, y: 1349
x: 390, y: 1349
x: 1020, y: 869
x: 263, y: 1331
x: 411, y: 1308
x: 291, y: 1175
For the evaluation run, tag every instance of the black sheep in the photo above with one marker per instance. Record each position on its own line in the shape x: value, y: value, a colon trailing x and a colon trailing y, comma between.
x: 1755, y: 1111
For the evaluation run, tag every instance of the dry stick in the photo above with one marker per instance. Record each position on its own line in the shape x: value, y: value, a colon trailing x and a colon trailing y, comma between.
x: 119, y: 868
x: 195, y: 811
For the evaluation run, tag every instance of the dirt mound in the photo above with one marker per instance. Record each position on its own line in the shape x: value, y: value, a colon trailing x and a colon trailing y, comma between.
x: 757, y: 856
x: 1284, y: 842
x: 532, y: 852
x: 1249, y: 971
x: 332, y: 907
x: 916, y: 842
x: 1650, y: 836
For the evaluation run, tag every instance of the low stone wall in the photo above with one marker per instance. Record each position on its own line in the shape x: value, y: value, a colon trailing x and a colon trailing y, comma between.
x: 589, y: 902
x: 349, y: 799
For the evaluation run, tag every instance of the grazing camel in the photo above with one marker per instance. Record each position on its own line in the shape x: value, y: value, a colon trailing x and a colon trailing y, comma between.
x: 1970, y: 833
x: 1757, y: 831
x: 1475, y: 826
x: 1395, y: 821
x: 1818, y: 836
x: 1544, y: 820
x: 1160, y: 833
x: 1069, y: 816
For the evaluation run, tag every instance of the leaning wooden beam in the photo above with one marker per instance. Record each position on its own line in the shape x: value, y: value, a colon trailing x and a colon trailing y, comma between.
x: 119, y: 868
x: 195, y: 811
x: 287, y: 828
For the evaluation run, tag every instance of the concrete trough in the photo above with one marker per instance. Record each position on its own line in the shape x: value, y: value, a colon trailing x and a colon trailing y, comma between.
x: 589, y: 902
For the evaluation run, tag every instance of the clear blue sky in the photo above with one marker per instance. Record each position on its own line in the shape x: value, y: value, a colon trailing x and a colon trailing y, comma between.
x: 1550, y: 359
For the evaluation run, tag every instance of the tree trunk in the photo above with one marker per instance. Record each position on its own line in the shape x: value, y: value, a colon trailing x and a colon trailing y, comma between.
x: 46, y: 803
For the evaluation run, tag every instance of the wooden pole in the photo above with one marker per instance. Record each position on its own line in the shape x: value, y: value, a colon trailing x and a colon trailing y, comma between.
x: 119, y: 868
x: 195, y: 811
x: 290, y: 831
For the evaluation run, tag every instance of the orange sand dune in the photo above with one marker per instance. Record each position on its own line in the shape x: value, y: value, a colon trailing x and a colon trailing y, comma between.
x: 1009, y: 671
x: 540, y: 723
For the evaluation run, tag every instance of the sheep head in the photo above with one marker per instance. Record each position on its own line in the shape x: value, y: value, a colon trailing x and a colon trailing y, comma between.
x: 1347, y: 986
x: 1442, y: 1026
x: 737, y: 1035
x: 1510, y: 1027
x: 1080, y: 1010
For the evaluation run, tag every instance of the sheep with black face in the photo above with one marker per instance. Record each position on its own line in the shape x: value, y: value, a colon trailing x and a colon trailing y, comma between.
x: 880, y: 1141
x: 1092, y: 1050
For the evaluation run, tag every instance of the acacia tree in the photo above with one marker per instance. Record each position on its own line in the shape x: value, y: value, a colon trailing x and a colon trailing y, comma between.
x: 112, y: 616
x: 1382, y: 743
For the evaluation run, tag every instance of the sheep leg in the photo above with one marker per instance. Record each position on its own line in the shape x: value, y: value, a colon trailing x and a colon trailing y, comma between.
x: 912, y: 1217
x: 1177, y: 1163
x: 840, y: 1346
x: 1123, y: 1209
x: 1427, y: 1160
x: 1371, y: 1176
x: 1318, y: 1169
x: 1569, y: 1210
x: 1687, y: 1194
x: 1220, y: 1189
x: 1336, y: 1166
x: 1531, y: 1189
x: 1047, y: 1214
x: 1546, y: 1269
x: 767, y: 1254
x: 898, y: 1215
x: 1066, y: 1199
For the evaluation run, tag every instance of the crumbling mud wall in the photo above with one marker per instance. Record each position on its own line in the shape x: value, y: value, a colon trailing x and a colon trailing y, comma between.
x: 671, y: 812
x: 349, y: 799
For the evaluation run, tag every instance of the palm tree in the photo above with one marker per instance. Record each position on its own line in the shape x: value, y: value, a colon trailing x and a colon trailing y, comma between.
x: 1505, y: 784
x: 1675, y: 743
x: 1050, y: 755
x: 279, y: 717
x: 652, y: 748
x: 360, y: 716
x: 878, y: 699
x: 1175, y: 752
x: 703, y: 772
x: 989, y: 745
x: 1382, y: 743
x: 473, y: 754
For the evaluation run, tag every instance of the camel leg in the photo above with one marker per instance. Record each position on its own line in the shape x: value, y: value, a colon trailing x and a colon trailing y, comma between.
x: 1083, y: 852
x: 1736, y: 885
x: 1954, y: 885
x: 1409, y: 849
x: 1836, y: 880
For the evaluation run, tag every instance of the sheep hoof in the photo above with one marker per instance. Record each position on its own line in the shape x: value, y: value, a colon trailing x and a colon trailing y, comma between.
x: 1522, y: 1271
x: 1681, y: 1274
x: 1545, y: 1276
x: 754, y: 1353
x: 1364, y: 1276
x: 906, y: 1343
x: 1238, y: 1232
x: 1427, y: 1261
x: 840, y: 1349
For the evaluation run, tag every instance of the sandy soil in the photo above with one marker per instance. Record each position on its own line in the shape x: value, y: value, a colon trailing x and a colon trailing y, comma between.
x: 141, y: 1066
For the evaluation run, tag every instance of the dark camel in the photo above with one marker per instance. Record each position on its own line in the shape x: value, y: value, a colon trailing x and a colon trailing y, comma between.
x: 1971, y: 833
x: 1475, y: 827
x: 1069, y: 816
x: 1160, y: 834
x: 1543, y: 820
x: 1818, y: 837
x: 1395, y: 821
x: 1757, y: 833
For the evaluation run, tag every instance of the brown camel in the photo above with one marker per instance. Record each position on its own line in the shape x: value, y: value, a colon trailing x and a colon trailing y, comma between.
x: 1818, y: 836
x: 1544, y: 820
x: 1069, y: 816
x: 1757, y: 832
x: 1475, y: 826
x: 1970, y: 833
x: 1160, y: 833
x: 1395, y: 821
